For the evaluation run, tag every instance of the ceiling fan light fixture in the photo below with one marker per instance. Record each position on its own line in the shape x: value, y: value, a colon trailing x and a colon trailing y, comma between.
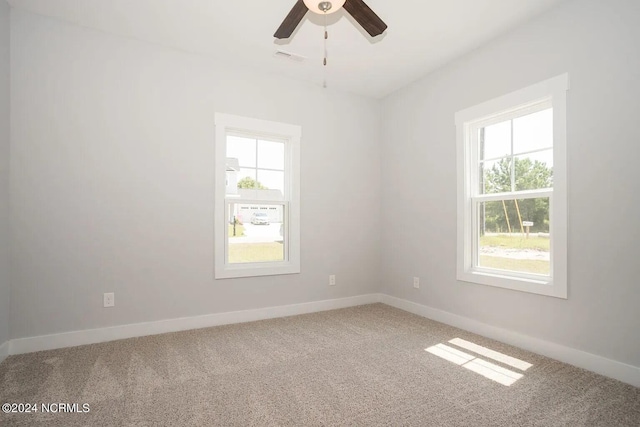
x: 320, y: 7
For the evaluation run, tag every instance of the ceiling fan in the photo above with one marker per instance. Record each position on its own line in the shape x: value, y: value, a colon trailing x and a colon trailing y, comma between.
x: 356, y: 8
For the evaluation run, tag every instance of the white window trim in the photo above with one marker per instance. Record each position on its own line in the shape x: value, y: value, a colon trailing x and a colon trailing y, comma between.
x: 554, y: 90
x: 291, y: 134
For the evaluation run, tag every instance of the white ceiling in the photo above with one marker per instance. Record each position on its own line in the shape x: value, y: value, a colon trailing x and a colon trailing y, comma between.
x: 422, y: 35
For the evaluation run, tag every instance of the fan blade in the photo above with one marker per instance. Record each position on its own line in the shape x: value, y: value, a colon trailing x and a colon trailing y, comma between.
x: 292, y: 20
x: 365, y: 17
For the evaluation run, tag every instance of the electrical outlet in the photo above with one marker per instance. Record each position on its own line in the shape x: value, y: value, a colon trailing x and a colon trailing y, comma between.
x: 332, y: 280
x: 109, y: 299
x: 416, y: 282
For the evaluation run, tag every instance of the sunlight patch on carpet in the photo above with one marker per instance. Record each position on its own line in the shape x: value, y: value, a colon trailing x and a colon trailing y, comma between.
x: 483, y: 367
x: 492, y: 354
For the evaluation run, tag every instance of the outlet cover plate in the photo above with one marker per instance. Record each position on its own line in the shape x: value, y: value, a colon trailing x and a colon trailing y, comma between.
x: 109, y: 299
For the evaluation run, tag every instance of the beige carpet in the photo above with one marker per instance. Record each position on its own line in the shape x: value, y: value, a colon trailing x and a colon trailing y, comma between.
x: 361, y: 366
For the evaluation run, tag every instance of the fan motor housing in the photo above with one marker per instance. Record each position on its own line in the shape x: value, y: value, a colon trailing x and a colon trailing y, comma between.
x: 325, y: 6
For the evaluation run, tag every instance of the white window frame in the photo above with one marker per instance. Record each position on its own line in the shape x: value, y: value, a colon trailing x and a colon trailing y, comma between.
x: 290, y: 134
x: 549, y: 93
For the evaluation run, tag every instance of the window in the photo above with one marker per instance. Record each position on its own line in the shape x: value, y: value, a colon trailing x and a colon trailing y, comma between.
x: 257, y: 200
x: 512, y: 191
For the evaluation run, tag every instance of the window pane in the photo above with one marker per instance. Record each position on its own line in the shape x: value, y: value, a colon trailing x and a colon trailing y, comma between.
x: 533, y: 131
x: 495, y: 176
x: 272, y: 180
x: 255, y: 233
x: 270, y: 155
x: 247, y: 178
x: 513, y: 235
x: 534, y: 171
x: 247, y: 184
x: 243, y: 149
x: 496, y: 142
x: 256, y: 184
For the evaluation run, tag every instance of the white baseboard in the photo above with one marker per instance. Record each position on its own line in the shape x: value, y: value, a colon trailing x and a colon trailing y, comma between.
x: 4, y: 350
x: 92, y: 336
x: 610, y: 368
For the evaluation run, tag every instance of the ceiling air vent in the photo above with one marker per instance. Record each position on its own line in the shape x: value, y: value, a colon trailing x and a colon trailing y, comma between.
x: 290, y: 56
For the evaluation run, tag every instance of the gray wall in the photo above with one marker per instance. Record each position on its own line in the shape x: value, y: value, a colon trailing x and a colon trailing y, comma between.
x: 112, y: 181
x: 4, y: 171
x: 597, y: 43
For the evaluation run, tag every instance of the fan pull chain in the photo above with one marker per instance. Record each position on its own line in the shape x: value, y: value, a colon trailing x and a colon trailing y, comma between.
x: 326, y: 36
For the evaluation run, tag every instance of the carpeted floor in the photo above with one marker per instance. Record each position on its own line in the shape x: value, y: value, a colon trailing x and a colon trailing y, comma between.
x: 361, y: 366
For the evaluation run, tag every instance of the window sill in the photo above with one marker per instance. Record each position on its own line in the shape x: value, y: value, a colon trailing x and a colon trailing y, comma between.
x: 543, y: 286
x: 256, y: 270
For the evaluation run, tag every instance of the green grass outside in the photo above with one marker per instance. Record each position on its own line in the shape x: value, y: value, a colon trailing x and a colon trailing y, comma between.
x: 534, y: 266
x: 239, y: 230
x: 516, y: 242
x: 255, y: 252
